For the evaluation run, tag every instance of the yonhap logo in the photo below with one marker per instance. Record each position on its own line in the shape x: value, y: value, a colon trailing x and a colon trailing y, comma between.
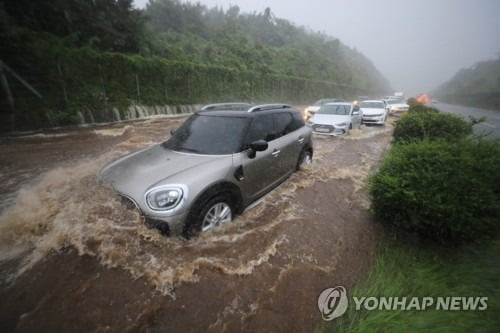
x: 332, y: 303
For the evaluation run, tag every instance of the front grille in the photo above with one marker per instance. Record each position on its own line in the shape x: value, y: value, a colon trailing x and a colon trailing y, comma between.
x: 128, y: 202
x: 161, y: 226
x: 323, y: 128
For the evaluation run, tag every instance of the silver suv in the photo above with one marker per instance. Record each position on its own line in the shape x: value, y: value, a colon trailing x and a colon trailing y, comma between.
x: 217, y: 163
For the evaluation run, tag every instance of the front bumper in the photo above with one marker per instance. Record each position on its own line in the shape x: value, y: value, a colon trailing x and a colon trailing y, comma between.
x: 373, y: 119
x: 328, y: 130
x: 175, y: 223
x: 172, y: 225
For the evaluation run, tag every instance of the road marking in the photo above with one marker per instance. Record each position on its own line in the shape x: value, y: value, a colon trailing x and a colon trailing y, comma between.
x: 488, y: 125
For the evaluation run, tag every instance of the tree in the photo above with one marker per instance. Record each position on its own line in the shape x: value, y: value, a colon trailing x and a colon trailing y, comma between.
x: 112, y: 25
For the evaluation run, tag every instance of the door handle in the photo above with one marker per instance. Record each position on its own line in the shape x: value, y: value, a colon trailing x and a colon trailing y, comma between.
x: 301, y: 140
x: 276, y: 152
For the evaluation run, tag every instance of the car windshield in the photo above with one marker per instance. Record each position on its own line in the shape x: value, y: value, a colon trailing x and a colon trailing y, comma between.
x: 372, y: 105
x: 327, y: 100
x: 334, y: 109
x: 211, y: 135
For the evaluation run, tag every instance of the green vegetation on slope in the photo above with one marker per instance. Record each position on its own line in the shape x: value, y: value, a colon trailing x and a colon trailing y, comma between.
x: 256, y: 42
x: 475, y: 86
x: 103, y: 56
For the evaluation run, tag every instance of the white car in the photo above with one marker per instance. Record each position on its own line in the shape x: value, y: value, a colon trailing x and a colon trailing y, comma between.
x: 397, y: 105
x: 374, y: 111
x: 311, y: 110
x: 336, y: 119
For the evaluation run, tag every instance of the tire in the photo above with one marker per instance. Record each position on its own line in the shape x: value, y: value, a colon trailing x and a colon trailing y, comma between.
x: 214, y: 212
x: 305, y: 157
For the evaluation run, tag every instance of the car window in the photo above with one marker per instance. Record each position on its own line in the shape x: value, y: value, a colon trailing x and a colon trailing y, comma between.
x: 372, y: 105
x: 283, y: 123
x: 262, y: 128
x: 334, y: 109
x: 328, y: 100
x: 298, y: 121
x: 209, y: 135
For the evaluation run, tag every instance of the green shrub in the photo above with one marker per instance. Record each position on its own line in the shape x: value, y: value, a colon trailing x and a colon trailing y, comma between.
x: 440, y: 189
x: 64, y: 118
x: 412, y: 101
x: 422, y: 108
x: 432, y: 125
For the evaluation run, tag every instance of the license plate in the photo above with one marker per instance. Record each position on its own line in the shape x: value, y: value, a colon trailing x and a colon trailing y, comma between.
x: 322, y: 130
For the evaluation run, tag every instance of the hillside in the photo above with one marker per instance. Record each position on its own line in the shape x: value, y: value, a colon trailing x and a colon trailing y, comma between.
x: 476, y: 86
x: 90, y: 60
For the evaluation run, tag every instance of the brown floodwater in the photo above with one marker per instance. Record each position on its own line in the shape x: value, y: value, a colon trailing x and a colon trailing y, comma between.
x: 74, y: 258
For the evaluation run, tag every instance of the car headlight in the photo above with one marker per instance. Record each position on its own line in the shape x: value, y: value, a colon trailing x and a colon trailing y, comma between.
x: 164, y: 198
x: 341, y: 124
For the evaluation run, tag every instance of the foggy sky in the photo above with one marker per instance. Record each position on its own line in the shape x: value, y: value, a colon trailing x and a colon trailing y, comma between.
x: 416, y: 45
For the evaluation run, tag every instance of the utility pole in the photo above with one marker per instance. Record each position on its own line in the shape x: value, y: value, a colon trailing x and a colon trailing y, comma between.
x: 104, y: 96
x: 10, y: 98
x: 5, y: 86
x: 20, y: 79
x: 62, y: 83
x: 138, y: 88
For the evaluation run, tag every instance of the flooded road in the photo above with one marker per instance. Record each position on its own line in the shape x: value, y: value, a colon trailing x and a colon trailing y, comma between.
x: 74, y: 258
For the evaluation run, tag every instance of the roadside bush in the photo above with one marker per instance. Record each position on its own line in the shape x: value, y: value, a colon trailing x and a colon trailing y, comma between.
x: 447, y: 191
x: 432, y: 125
x: 412, y: 101
x: 422, y: 108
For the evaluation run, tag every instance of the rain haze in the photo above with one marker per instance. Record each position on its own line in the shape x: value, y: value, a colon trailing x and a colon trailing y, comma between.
x: 417, y: 45
x: 195, y: 171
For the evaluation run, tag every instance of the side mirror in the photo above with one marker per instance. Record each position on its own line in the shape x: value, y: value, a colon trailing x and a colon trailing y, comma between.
x: 259, y: 145
x: 172, y: 131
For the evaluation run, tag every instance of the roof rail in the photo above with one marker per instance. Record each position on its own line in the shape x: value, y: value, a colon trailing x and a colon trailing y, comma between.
x: 264, y: 107
x: 226, y: 106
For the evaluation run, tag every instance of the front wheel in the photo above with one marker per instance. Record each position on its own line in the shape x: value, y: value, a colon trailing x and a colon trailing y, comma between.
x: 213, y: 213
x: 304, y: 159
x: 218, y: 213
